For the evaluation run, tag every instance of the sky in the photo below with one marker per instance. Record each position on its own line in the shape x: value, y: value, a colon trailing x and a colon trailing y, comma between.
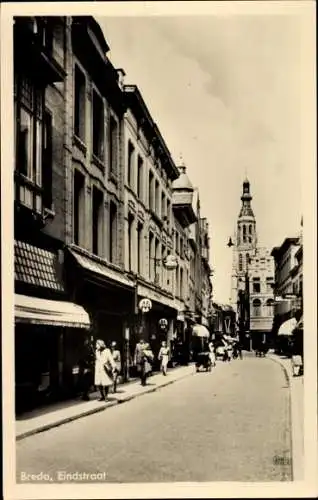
x: 225, y: 93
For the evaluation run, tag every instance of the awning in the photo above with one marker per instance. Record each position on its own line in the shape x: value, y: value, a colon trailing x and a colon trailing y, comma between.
x: 200, y: 331
x: 49, y: 312
x: 287, y: 327
x: 111, y: 274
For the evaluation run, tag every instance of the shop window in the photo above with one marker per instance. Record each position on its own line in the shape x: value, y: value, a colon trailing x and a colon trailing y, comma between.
x: 79, y: 103
x: 97, y: 213
x: 140, y: 177
x: 113, y: 145
x: 78, y: 208
x: 130, y: 164
x: 112, y: 231
x: 98, y: 126
x: 29, y: 142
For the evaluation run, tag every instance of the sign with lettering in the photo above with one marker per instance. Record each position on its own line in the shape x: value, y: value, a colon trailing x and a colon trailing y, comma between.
x: 163, y: 323
x: 145, y: 305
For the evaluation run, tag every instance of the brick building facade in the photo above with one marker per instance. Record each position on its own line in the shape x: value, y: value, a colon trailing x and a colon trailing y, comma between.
x: 99, y: 207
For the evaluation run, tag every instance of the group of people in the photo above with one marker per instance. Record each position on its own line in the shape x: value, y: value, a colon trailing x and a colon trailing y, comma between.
x: 108, y: 366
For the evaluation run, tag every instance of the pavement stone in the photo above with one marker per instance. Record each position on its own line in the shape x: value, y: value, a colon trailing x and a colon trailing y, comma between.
x: 56, y: 415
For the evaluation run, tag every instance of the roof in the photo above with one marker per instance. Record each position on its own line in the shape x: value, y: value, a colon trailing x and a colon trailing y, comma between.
x: 183, y: 181
x: 287, y: 243
x: 135, y: 101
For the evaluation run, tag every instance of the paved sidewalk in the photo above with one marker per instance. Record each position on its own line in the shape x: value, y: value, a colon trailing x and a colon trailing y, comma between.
x: 297, y: 415
x: 45, y: 418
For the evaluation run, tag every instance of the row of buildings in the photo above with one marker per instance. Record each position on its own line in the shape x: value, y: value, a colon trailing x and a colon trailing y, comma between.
x: 103, y: 216
x: 288, y: 291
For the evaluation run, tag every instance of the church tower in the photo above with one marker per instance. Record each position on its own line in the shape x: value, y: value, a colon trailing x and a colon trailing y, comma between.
x: 245, y: 241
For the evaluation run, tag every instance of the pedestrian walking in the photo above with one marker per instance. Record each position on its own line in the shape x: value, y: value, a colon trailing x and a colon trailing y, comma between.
x: 143, y: 359
x: 164, y: 357
x: 117, y: 359
x: 212, y: 353
x: 104, y: 369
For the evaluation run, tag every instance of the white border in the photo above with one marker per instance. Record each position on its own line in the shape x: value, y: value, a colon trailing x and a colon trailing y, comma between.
x: 308, y: 487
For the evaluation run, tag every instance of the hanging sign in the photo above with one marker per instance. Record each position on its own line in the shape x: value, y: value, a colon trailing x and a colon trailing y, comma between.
x: 163, y: 323
x: 145, y: 305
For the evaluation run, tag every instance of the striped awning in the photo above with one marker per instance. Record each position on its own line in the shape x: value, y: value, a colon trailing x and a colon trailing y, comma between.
x: 39, y: 311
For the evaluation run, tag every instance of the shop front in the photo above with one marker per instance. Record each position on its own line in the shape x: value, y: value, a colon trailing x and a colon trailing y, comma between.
x: 49, y: 336
x: 108, y: 295
x: 158, y: 323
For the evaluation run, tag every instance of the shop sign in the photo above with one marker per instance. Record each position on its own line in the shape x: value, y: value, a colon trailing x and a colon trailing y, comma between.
x: 145, y: 305
x: 163, y: 323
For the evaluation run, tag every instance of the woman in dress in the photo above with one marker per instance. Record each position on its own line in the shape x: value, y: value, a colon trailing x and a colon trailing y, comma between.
x: 105, y: 367
x: 163, y: 356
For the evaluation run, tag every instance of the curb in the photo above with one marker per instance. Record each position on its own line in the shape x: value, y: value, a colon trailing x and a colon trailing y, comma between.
x: 91, y: 411
x: 296, y: 462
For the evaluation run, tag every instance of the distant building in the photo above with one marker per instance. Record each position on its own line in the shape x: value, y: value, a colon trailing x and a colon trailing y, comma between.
x: 252, y: 275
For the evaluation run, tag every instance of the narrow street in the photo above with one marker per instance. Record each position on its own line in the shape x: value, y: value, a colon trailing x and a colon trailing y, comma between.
x: 229, y: 425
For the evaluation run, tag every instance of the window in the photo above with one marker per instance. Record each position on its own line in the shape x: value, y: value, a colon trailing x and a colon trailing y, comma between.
x: 256, y: 285
x: 98, y: 126
x: 150, y: 190
x: 29, y: 141
x: 248, y: 260
x: 150, y: 255
x: 156, y: 262
x: 130, y: 224
x: 163, y: 270
x: 79, y: 103
x: 130, y: 166
x: 240, y: 262
x: 256, y: 307
x: 177, y: 242
x: 163, y: 205
x: 168, y: 211
x: 97, y: 232
x: 269, y: 284
x: 139, y: 247
x: 181, y: 283
x: 270, y: 307
x: 139, y: 177
x: 112, y: 231
x: 244, y: 233
x: 78, y: 208
x: 47, y: 160
x: 250, y: 237
x: 181, y: 248
x: 157, y: 207
x: 113, y: 145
